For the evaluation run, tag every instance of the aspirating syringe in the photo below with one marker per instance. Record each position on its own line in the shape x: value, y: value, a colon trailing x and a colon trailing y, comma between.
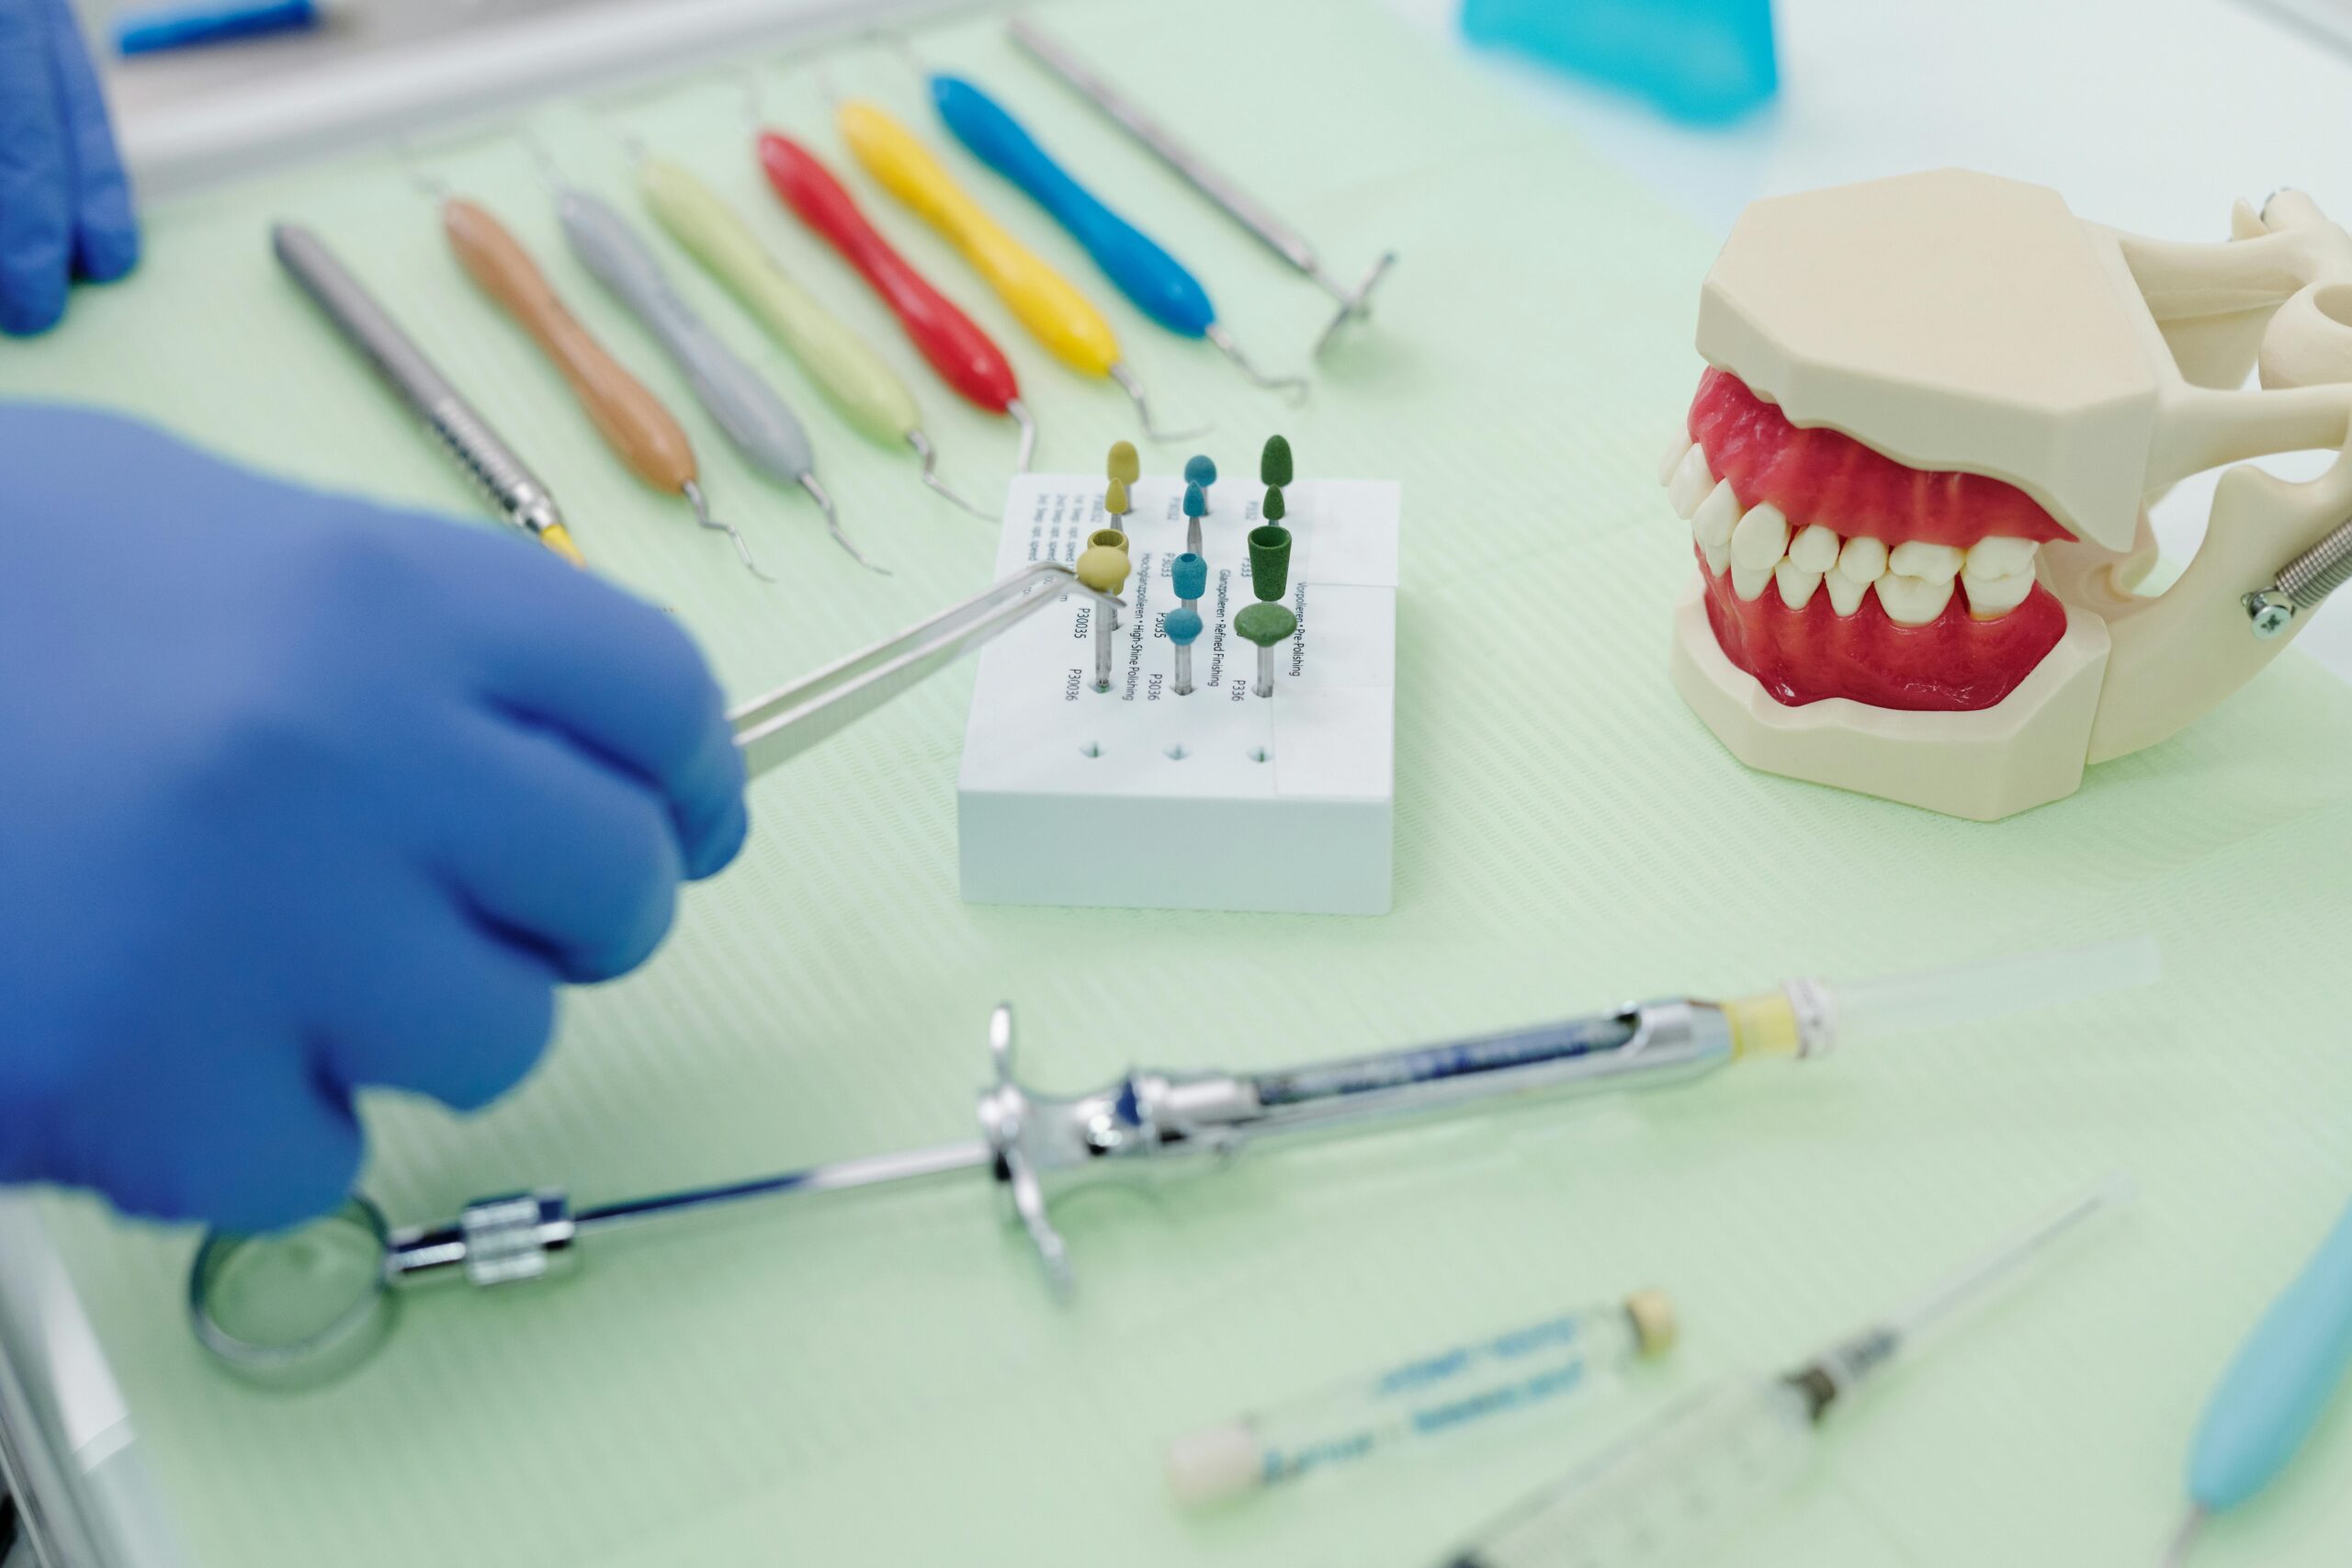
x: 1146, y: 1121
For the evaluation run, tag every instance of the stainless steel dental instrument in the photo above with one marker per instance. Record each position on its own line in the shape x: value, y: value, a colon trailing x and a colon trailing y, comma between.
x: 758, y: 421
x: 489, y: 462
x: 1355, y: 304
x: 1145, y: 1121
x: 1689, y: 1480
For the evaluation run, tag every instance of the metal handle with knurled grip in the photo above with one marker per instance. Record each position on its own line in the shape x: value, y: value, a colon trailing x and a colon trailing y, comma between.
x: 487, y: 461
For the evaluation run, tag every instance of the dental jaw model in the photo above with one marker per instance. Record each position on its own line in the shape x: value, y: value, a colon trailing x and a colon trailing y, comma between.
x: 1917, y: 467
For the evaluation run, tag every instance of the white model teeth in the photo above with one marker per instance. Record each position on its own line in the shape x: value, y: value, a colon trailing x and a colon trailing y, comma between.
x: 1864, y: 559
x: 1796, y: 584
x: 1989, y: 598
x: 1689, y: 484
x: 1711, y: 526
x: 1673, y: 458
x: 1912, y: 600
x: 1760, y: 547
x: 1814, y: 550
x: 2001, y: 555
x: 1930, y: 563
x: 1761, y: 539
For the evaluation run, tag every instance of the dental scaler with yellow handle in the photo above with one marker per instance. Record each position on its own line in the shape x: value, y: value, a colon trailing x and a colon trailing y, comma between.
x: 869, y: 393
x: 1047, y: 304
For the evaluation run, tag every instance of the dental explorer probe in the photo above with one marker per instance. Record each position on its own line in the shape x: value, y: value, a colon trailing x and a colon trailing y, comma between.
x: 1688, y: 1481
x: 759, y: 422
x: 632, y: 420
x: 1355, y: 304
x: 1136, y: 1126
x: 867, y: 390
x: 489, y: 462
x: 2276, y: 1389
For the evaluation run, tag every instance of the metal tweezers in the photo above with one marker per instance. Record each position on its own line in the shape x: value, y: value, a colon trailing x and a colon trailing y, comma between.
x: 788, y: 721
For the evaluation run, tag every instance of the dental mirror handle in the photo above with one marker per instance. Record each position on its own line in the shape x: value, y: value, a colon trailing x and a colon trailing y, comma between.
x: 631, y: 420
x: 869, y: 395
x: 960, y: 353
x: 760, y: 423
x: 1147, y: 275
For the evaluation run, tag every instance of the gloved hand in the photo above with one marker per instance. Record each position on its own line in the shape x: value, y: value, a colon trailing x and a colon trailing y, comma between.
x: 299, y: 793
x: 64, y: 204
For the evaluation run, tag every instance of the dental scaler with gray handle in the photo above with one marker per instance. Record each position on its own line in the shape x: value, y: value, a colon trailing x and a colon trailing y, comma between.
x: 757, y: 421
x: 265, y: 1306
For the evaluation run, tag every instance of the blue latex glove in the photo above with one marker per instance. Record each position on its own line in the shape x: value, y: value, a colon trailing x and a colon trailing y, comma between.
x: 64, y: 204
x: 299, y: 793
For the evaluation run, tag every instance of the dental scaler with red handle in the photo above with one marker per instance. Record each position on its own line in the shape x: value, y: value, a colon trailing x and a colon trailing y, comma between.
x: 965, y: 357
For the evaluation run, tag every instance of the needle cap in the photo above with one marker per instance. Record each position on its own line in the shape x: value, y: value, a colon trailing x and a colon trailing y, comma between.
x: 1124, y: 466
x: 1269, y: 561
x: 1265, y: 625
x: 1201, y: 471
x: 1190, y: 575
x: 1115, y: 501
x: 1104, y: 568
x: 1275, y: 509
x: 1196, y: 501
x: 1274, y: 467
x: 1182, y: 626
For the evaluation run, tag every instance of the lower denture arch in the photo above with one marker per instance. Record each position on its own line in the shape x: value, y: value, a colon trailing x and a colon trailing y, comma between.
x: 1924, y: 600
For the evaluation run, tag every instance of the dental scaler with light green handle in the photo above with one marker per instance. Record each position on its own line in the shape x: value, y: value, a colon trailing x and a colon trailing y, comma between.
x: 867, y: 390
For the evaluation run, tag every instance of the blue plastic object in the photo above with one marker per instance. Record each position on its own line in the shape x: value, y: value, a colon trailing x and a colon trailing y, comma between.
x: 1153, y: 279
x: 2283, y: 1377
x: 1182, y: 626
x: 1196, y: 501
x: 1703, y: 62
x: 64, y: 205
x: 1200, y: 470
x: 181, y: 27
x: 306, y: 794
x: 1189, y: 575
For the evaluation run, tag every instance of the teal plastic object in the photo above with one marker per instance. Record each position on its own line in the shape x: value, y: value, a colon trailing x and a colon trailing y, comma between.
x: 1191, y: 575
x: 1182, y: 627
x: 2283, y: 1378
x: 1200, y: 470
x: 1701, y: 61
x: 1196, y: 501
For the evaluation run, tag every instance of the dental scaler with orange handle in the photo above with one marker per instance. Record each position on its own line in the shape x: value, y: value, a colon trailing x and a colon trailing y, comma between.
x: 640, y: 432
x: 868, y: 392
x: 1046, y: 303
x: 1918, y: 467
x: 964, y: 356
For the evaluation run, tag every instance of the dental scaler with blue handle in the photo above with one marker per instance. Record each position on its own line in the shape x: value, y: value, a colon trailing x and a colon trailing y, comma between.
x: 1155, y: 281
x: 2274, y: 1392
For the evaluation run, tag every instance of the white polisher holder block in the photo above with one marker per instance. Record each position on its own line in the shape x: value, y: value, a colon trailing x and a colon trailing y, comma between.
x: 1138, y: 798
